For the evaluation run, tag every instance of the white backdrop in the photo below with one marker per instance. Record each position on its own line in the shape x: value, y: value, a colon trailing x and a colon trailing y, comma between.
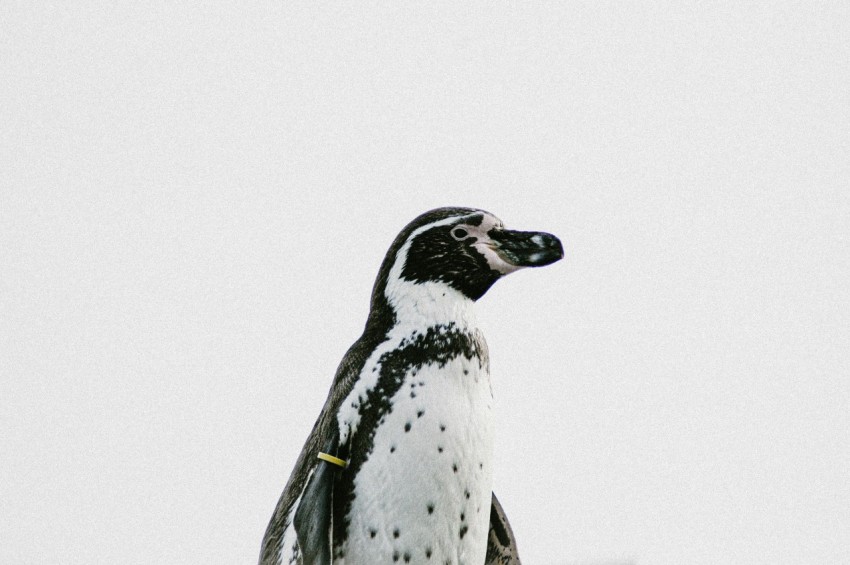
x: 195, y: 201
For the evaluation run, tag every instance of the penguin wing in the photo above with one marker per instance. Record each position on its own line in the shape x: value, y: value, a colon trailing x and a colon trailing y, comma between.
x: 313, y: 519
x: 501, y: 544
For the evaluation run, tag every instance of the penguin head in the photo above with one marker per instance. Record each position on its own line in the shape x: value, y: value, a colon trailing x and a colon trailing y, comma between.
x: 462, y: 250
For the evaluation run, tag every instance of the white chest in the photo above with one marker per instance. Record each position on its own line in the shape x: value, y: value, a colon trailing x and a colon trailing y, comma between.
x: 424, y: 494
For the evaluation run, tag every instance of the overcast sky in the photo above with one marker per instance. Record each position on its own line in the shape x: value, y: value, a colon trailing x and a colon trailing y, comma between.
x: 194, y: 202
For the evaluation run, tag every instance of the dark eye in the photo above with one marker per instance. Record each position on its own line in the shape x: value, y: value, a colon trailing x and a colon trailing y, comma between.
x: 459, y: 233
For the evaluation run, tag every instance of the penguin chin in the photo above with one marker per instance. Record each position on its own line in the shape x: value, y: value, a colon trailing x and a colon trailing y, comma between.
x: 496, y: 260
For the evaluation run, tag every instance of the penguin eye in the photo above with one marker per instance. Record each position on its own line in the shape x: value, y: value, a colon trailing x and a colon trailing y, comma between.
x: 459, y: 233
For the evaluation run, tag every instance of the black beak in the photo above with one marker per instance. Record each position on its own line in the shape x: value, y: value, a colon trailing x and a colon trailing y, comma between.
x: 527, y: 248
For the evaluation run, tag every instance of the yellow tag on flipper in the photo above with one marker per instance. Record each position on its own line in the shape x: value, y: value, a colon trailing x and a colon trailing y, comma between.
x: 331, y: 459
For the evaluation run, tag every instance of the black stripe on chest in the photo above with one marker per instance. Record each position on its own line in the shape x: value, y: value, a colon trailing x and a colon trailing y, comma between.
x: 438, y: 345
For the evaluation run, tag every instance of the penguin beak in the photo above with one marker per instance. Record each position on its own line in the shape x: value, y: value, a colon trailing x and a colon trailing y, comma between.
x: 526, y: 248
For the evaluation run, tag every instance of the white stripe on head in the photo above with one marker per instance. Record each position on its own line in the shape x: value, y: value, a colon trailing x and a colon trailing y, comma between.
x: 434, y: 301
x: 401, y: 254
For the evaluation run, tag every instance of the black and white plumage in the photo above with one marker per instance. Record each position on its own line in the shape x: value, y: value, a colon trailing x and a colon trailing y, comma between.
x: 410, y: 409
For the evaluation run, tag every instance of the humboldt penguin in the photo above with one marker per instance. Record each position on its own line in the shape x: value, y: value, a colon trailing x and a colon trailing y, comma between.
x: 398, y: 467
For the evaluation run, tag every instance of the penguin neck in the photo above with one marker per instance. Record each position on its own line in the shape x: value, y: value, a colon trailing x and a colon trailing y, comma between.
x: 429, y: 304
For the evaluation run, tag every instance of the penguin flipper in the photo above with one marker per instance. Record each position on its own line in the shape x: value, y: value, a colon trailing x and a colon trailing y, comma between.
x: 501, y: 544
x: 313, y: 519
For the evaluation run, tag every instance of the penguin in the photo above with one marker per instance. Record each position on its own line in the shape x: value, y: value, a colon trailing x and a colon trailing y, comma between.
x: 398, y: 466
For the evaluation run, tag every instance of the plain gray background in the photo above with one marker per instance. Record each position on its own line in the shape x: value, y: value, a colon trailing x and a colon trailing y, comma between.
x: 195, y: 201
